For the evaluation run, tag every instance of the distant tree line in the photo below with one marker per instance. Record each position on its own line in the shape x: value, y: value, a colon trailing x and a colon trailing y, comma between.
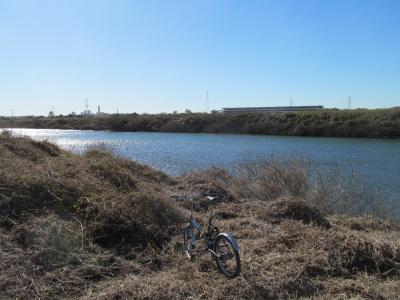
x: 330, y: 122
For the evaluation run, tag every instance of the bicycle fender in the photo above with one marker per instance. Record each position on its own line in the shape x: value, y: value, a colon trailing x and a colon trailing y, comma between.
x: 231, y: 239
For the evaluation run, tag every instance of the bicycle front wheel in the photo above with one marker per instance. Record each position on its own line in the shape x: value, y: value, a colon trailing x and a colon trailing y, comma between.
x: 227, y: 258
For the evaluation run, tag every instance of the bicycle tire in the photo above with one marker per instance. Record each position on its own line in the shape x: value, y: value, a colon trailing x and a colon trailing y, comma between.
x: 222, y: 256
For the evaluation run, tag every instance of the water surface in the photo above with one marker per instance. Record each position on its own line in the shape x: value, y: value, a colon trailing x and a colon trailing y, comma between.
x: 377, y: 160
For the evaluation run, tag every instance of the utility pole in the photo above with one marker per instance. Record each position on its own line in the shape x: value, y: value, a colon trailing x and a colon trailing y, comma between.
x: 291, y: 102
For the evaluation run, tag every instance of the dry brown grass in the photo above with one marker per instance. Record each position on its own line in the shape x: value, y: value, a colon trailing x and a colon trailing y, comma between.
x: 288, y: 260
x: 100, y: 227
x: 67, y: 214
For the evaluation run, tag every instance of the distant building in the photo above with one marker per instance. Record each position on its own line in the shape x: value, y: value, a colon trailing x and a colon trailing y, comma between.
x: 100, y: 113
x: 271, y: 109
x: 51, y: 114
x: 87, y: 113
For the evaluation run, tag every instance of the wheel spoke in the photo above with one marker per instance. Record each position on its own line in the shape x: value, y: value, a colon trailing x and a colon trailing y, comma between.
x: 227, y: 260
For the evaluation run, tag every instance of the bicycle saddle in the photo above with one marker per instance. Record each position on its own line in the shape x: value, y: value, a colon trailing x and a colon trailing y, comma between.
x: 211, y: 198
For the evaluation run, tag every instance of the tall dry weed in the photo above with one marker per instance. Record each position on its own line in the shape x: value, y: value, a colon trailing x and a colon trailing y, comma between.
x: 268, y: 177
x: 332, y: 189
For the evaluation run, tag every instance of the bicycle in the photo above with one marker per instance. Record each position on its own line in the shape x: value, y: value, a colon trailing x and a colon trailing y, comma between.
x: 222, y: 246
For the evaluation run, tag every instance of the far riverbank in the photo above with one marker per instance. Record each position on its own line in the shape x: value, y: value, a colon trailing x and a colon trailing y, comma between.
x: 358, y: 123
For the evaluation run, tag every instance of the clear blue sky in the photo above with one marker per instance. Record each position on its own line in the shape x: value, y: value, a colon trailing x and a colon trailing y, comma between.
x: 160, y: 56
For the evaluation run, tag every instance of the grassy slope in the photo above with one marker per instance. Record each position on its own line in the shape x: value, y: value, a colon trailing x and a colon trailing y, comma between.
x: 97, y: 226
x: 335, y: 123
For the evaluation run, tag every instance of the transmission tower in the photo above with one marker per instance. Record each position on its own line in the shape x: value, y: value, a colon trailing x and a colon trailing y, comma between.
x: 87, y: 105
x: 349, y: 102
x: 207, y: 103
x: 291, y: 102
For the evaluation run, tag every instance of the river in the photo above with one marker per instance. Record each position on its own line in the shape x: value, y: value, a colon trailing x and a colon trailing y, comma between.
x: 376, y: 160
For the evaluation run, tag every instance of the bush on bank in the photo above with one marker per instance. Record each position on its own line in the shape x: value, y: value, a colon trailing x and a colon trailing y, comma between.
x: 374, y: 123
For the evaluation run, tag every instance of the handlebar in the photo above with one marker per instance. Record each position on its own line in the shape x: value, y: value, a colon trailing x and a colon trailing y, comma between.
x: 190, y: 198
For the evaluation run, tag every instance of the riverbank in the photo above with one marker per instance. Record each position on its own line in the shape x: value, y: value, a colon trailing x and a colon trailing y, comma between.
x: 378, y: 123
x: 99, y: 226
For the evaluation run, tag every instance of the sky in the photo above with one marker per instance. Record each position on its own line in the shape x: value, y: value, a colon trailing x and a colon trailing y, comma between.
x: 159, y: 56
